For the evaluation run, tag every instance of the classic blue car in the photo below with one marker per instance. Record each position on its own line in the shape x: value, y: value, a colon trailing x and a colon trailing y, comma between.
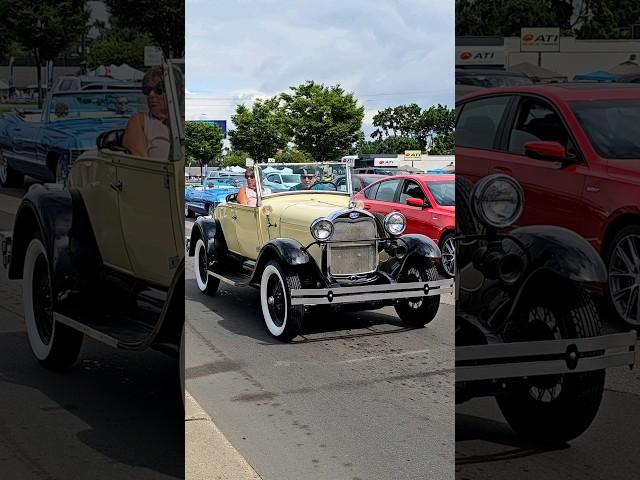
x: 44, y: 144
x: 203, y: 199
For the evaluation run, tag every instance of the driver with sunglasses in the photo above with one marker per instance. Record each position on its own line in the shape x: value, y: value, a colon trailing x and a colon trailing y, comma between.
x: 308, y: 178
x: 147, y: 134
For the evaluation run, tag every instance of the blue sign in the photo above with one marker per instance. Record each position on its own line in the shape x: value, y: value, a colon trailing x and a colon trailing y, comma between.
x: 221, y: 124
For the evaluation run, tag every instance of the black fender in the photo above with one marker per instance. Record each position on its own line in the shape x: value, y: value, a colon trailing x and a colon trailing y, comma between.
x: 210, y: 231
x: 559, y: 250
x: 286, y: 250
x: 59, y: 218
x: 421, y: 245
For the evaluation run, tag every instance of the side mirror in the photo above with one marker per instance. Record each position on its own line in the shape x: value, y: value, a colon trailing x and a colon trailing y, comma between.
x: 415, y: 202
x: 544, y: 150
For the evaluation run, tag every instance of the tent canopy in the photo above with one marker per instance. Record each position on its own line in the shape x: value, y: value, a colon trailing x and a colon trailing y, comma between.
x: 537, y: 73
x: 597, y: 76
x: 121, y: 72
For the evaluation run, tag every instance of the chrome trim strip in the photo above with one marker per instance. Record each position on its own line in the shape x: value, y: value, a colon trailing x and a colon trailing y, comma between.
x: 88, y: 331
x: 224, y: 279
x: 368, y: 293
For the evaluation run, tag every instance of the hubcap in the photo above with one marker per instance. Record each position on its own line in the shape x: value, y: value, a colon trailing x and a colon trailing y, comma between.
x: 414, y: 275
x: 624, y: 279
x: 448, y: 256
x: 276, y: 300
x: 42, y: 302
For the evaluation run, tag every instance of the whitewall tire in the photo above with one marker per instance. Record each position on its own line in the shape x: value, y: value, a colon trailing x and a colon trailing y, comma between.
x: 206, y: 283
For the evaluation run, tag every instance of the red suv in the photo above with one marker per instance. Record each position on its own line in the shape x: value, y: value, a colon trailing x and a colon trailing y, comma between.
x: 427, y: 202
x: 575, y: 149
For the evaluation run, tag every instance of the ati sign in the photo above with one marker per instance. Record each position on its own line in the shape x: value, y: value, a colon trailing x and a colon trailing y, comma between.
x: 540, y: 40
x: 470, y: 55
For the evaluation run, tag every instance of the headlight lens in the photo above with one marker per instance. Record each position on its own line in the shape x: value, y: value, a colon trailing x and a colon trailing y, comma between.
x: 395, y: 223
x: 498, y: 200
x: 322, y: 229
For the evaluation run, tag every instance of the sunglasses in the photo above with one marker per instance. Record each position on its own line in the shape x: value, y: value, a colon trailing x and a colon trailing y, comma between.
x: 308, y: 177
x: 158, y: 89
x: 250, y: 177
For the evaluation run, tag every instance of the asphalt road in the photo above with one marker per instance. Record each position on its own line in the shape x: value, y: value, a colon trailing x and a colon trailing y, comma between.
x: 358, y: 396
x: 114, y: 415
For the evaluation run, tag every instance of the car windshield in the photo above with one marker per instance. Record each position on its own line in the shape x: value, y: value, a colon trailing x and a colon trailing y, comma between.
x: 71, y: 106
x: 444, y: 193
x: 612, y: 126
x: 298, y: 177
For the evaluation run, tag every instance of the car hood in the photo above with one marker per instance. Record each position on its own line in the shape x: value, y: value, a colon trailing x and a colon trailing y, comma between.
x: 294, y: 213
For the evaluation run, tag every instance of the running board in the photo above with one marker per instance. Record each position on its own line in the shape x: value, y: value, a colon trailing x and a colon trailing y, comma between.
x: 548, y: 357
x: 234, y: 279
x: 88, y: 331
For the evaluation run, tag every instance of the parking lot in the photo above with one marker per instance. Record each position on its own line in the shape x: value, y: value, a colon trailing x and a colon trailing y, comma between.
x: 358, y: 395
x: 114, y: 415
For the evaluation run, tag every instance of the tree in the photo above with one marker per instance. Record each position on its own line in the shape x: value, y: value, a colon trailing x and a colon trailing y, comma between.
x: 324, y: 122
x: 162, y: 19
x: 261, y: 130
x: 203, y: 143
x: 293, y: 155
x: 235, y: 159
x: 436, y: 121
x: 443, y: 144
x: 118, y: 48
x: 393, y: 144
x: 45, y: 28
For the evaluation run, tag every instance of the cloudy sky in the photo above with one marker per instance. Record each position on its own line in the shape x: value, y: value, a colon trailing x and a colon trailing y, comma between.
x: 388, y: 52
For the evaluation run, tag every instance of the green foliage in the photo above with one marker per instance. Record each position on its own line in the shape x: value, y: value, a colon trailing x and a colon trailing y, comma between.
x: 235, y: 158
x: 203, y: 143
x: 390, y: 145
x: 261, y: 130
x: 422, y: 126
x: 118, y: 49
x: 324, y: 122
x: 163, y: 20
x: 507, y: 17
x: 443, y: 144
x: 293, y: 155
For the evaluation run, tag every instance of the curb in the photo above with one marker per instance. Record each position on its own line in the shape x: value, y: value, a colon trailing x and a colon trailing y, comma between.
x: 208, y: 454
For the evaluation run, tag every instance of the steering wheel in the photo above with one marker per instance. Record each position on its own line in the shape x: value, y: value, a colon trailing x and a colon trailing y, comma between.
x: 313, y: 187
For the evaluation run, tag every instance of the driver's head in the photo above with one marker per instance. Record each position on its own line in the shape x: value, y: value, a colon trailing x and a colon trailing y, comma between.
x: 308, y: 178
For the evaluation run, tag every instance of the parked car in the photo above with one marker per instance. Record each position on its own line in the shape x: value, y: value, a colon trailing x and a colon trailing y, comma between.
x: 629, y: 78
x: 489, y: 78
x: 313, y: 249
x: 70, y: 83
x: 426, y: 201
x: 203, y: 199
x: 105, y: 257
x: 575, y: 150
x: 44, y: 145
x: 359, y: 181
x: 380, y: 171
x: 527, y: 329
x: 279, y: 181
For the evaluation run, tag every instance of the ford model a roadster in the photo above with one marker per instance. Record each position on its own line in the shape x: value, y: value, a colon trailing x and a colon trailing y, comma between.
x: 312, y: 247
x: 105, y: 257
x: 527, y: 329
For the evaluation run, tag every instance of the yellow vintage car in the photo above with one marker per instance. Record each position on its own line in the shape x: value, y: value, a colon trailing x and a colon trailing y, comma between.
x: 313, y: 247
x: 105, y: 257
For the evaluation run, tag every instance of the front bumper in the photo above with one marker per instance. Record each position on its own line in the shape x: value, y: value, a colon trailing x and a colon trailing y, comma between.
x: 369, y: 293
x: 528, y: 359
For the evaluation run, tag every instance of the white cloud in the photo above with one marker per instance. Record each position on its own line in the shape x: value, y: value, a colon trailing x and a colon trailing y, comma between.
x: 387, y: 52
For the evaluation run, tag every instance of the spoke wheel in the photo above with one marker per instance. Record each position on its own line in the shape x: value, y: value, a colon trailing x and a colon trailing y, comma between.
x: 624, y: 278
x: 449, y: 256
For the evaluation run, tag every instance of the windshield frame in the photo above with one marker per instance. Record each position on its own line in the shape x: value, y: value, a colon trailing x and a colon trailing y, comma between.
x: 261, y: 166
x: 49, y: 111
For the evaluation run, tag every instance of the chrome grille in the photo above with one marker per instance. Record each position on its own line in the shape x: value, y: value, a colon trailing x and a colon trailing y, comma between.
x: 359, y: 253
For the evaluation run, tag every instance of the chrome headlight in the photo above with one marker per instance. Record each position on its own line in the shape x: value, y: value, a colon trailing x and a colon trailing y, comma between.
x: 498, y: 200
x: 322, y: 229
x: 395, y: 223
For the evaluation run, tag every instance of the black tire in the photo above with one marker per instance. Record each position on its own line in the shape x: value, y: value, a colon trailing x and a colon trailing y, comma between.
x: 283, y: 320
x: 207, y: 284
x: 187, y: 212
x: 55, y: 346
x: 9, y: 177
x: 555, y: 408
x: 419, y: 311
x: 622, y: 258
x: 448, y: 265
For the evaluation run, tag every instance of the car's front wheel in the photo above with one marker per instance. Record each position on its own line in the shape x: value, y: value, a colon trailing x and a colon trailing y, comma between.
x: 206, y: 283
x: 283, y: 320
x: 623, y: 263
x: 448, y: 249
x: 418, y: 311
x: 8, y: 176
x: 55, y: 345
